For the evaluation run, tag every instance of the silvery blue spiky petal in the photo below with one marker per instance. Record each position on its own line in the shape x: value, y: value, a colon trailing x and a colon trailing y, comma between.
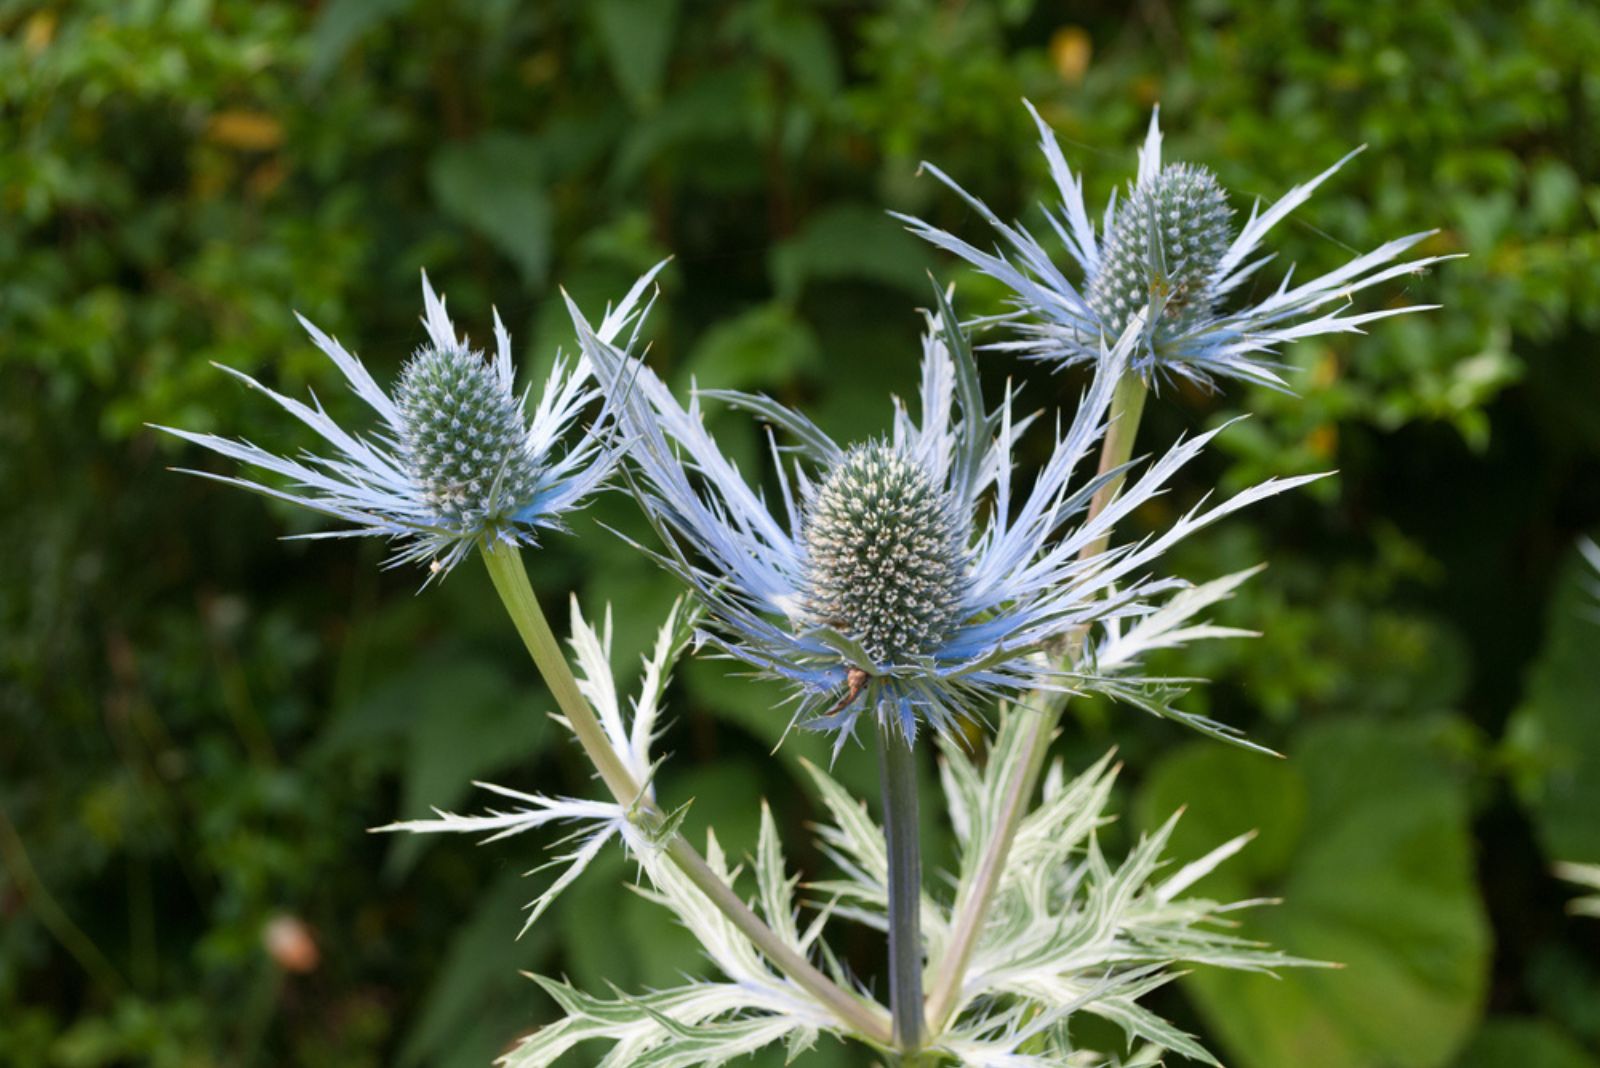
x: 455, y: 458
x: 1170, y: 251
x: 1591, y: 556
x: 903, y: 575
x: 1586, y: 876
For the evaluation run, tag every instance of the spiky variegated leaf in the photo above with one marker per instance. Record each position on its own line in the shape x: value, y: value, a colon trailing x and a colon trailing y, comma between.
x: 703, y: 1023
x: 1111, y: 668
x: 1170, y: 626
x: 592, y: 651
x: 855, y: 842
x: 698, y: 1024
x: 597, y: 821
x: 1159, y: 697
x: 1069, y: 930
x: 1591, y: 556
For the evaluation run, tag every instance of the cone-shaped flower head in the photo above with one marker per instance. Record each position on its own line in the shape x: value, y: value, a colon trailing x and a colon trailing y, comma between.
x: 883, y: 552
x: 456, y: 458
x: 464, y: 438
x: 1171, y: 251
x: 903, y: 578
x: 1163, y: 253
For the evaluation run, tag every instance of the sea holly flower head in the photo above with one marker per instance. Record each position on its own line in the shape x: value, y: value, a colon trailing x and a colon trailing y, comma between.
x: 463, y: 437
x: 456, y: 458
x: 904, y: 577
x: 1172, y: 253
x: 1163, y: 253
x: 883, y: 554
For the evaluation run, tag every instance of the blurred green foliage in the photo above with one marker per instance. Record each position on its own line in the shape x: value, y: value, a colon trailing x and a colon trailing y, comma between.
x: 200, y: 722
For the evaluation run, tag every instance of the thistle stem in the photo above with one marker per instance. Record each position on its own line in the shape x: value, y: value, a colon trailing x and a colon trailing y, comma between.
x: 1127, y: 405
x: 897, y: 768
x: 510, y: 580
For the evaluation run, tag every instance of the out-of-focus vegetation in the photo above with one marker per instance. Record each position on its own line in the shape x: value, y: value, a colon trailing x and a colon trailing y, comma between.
x: 198, y: 722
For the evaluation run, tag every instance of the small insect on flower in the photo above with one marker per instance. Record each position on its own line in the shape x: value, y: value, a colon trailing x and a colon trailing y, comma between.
x: 904, y: 579
x: 456, y: 460
x: 1171, y: 251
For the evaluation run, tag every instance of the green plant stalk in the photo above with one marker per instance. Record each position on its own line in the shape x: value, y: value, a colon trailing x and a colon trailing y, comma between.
x: 510, y: 580
x: 1127, y: 406
x: 897, y: 770
x: 38, y: 899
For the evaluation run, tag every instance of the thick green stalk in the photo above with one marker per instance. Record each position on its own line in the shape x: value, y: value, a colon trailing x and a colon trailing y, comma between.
x: 1127, y: 405
x: 511, y: 583
x: 897, y: 768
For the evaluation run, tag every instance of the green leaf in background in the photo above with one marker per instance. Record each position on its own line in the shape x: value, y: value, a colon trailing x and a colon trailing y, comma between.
x: 495, y: 185
x: 725, y: 797
x: 761, y: 709
x: 851, y: 242
x: 612, y: 935
x: 479, y: 1001
x: 765, y: 347
x: 1376, y: 874
x: 1524, y: 1042
x: 452, y: 712
x: 798, y: 39
x: 1554, y: 737
x: 638, y: 595
x: 1246, y: 792
x: 637, y: 36
x: 339, y: 26
x: 701, y: 128
x: 756, y: 706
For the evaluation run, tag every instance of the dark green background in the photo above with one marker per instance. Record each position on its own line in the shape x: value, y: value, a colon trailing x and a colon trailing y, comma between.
x: 200, y: 721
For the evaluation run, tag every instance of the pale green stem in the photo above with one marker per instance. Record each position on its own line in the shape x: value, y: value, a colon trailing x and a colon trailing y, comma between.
x: 1127, y: 405
x: 511, y: 583
x: 897, y: 768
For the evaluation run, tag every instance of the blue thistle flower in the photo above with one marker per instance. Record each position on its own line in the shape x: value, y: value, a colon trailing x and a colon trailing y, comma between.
x: 1171, y: 252
x: 904, y: 576
x: 456, y: 459
x: 1165, y: 246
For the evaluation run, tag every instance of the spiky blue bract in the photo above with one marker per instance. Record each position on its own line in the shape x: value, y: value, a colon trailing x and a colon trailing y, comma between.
x: 1586, y: 876
x: 1170, y: 251
x: 455, y: 459
x: 903, y: 576
x: 1591, y: 555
